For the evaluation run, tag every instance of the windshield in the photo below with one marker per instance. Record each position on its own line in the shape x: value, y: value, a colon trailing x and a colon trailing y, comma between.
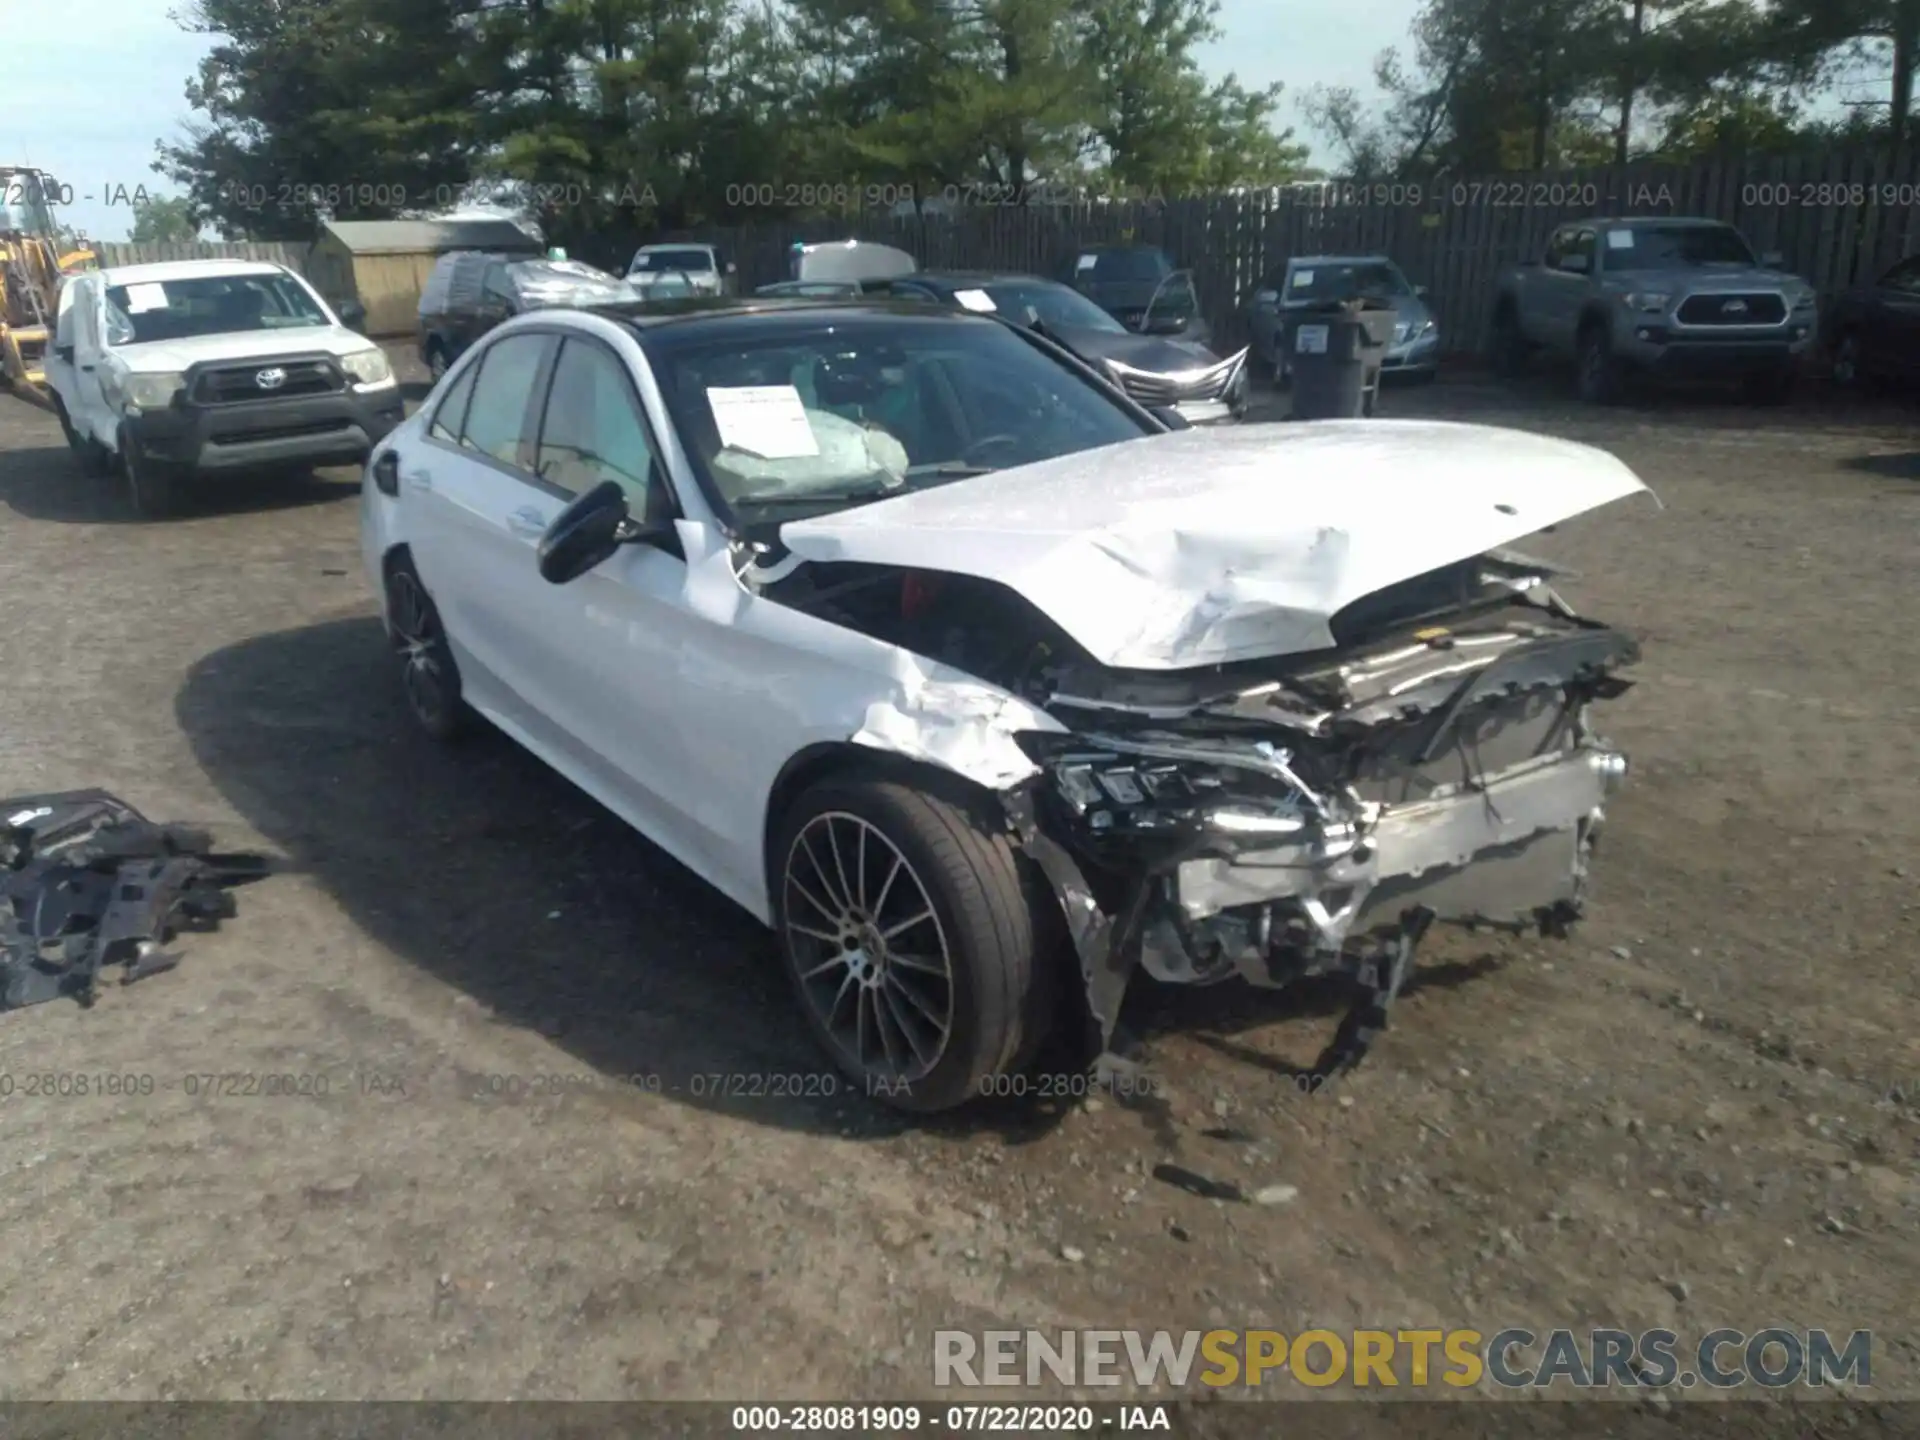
x: 807, y: 414
x: 23, y: 203
x: 650, y: 261
x: 208, y: 305
x: 1663, y: 247
x: 1346, y: 281
x: 1056, y: 305
x: 1124, y: 265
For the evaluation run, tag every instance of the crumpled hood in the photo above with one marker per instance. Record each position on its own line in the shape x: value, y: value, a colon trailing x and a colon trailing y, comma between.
x: 1142, y: 352
x: 1205, y: 546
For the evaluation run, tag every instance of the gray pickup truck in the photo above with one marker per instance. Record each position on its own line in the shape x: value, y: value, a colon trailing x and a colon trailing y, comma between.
x: 1678, y: 298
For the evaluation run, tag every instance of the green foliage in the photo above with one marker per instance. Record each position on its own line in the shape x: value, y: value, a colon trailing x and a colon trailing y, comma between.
x: 1532, y: 84
x: 164, y: 220
x: 617, y: 114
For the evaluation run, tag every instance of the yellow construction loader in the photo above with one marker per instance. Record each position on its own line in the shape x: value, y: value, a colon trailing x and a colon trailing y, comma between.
x: 32, y: 266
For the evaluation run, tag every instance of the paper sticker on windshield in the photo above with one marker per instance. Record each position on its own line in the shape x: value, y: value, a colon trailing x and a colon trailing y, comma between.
x: 1302, y: 279
x: 150, y: 296
x: 1619, y: 239
x: 764, y: 420
x: 1311, y: 340
x: 974, y: 300
x: 1086, y: 263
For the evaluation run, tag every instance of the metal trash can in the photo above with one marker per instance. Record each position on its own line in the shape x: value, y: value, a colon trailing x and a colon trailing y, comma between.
x: 1334, y: 351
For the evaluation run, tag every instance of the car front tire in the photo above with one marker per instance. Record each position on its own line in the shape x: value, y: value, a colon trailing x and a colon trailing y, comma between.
x: 429, y: 677
x: 154, y: 489
x: 1600, y: 378
x: 911, y: 940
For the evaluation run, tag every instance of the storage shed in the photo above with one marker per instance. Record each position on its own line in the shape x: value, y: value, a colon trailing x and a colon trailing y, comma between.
x: 384, y: 263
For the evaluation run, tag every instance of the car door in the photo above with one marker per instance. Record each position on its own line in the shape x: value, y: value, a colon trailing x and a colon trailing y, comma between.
x: 1890, y: 325
x: 78, y: 323
x: 464, y: 486
x: 611, y: 638
x: 1564, y: 280
x: 496, y: 302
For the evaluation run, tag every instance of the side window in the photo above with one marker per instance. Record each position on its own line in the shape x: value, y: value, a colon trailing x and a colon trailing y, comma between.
x: 1904, y: 277
x: 450, y: 415
x: 593, y: 430
x: 1556, y: 247
x: 495, y: 286
x: 496, y: 419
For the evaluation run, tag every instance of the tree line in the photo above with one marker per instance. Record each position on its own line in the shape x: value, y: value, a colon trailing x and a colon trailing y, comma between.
x: 664, y: 115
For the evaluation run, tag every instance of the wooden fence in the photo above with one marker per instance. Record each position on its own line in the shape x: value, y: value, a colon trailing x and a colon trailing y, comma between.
x: 1838, y: 218
x: 121, y: 252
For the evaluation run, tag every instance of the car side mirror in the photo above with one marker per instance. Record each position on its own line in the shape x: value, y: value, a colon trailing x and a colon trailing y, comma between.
x: 1575, y: 264
x: 1170, y: 417
x: 1170, y: 324
x: 64, y: 353
x: 1772, y: 259
x: 592, y: 528
x: 353, y: 315
x: 386, y: 473
x: 584, y: 534
x: 1421, y: 292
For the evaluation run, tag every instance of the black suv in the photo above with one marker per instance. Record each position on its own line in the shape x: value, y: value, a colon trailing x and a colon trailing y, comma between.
x: 471, y: 291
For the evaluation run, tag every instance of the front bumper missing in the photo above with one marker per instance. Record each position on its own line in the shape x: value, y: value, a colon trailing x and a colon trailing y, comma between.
x: 1508, y: 850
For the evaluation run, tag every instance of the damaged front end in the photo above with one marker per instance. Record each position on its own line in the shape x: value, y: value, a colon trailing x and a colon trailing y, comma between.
x: 1315, y: 815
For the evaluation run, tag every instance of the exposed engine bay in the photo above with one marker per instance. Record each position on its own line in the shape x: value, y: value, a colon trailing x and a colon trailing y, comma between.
x: 1299, y: 815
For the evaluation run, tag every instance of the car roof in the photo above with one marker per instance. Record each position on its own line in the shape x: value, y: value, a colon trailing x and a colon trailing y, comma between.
x: 960, y: 278
x: 692, y: 309
x: 675, y: 245
x: 1650, y: 221
x: 1298, y: 260
x: 160, y: 271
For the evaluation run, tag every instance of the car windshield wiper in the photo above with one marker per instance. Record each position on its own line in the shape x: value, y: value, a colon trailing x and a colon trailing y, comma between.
x: 815, y: 497
x: 955, y: 468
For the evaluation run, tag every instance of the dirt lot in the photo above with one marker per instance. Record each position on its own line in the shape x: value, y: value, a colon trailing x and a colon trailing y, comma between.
x: 1699, y: 1112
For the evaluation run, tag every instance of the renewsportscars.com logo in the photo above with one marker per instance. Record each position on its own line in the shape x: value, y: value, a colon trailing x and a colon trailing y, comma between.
x: 1510, y: 1359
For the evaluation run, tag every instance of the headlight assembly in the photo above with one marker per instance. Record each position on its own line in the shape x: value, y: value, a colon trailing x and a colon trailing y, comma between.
x: 368, y: 367
x: 1121, y: 785
x: 152, y: 392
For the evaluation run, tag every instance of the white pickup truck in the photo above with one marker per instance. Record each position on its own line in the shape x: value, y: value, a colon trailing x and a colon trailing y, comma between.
x: 170, y: 372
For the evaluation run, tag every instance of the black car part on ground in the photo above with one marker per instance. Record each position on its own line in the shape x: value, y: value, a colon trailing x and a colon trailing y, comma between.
x: 87, y: 882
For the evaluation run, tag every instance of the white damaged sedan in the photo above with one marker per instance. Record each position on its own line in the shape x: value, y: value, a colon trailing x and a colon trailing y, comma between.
x: 967, y: 675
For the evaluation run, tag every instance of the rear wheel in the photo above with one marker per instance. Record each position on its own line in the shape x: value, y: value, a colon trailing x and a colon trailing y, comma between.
x: 428, y: 674
x: 911, y: 940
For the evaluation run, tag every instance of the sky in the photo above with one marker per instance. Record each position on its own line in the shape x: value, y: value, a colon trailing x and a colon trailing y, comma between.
x: 139, y: 60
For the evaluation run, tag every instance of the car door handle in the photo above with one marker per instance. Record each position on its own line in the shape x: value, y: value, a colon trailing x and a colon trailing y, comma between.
x: 528, y: 524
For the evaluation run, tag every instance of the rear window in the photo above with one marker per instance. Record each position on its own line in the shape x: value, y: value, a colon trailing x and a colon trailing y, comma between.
x: 651, y: 261
x: 1145, y: 264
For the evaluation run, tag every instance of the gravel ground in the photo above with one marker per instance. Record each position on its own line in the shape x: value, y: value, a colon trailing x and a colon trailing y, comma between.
x: 1700, y: 1111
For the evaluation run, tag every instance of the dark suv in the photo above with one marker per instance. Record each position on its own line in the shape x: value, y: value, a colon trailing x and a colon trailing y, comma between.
x: 471, y: 291
x: 1140, y: 286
